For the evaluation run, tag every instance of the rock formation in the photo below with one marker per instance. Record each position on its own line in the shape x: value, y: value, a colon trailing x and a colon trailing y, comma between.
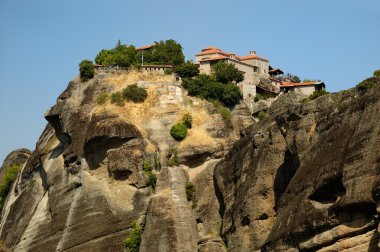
x: 305, y: 178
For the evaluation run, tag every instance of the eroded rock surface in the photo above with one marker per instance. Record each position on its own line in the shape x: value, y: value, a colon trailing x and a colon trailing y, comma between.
x: 302, y: 179
x: 305, y: 178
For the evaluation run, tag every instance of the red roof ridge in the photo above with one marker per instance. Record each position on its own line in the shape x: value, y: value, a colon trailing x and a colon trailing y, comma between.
x: 145, y: 47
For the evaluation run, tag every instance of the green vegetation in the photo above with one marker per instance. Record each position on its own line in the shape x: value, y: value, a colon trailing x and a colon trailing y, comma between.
x: 86, y: 70
x: 134, y: 239
x: 187, y: 120
x: 223, y: 111
x: 317, y: 94
x: 376, y: 73
x: 261, y: 115
x: 292, y: 77
x: 157, y: 164
x: 178, y: 131
x: 102, y: 98
x: 190, y: 191
x: 187, y: 70
x: 135, y: 93
x: 173, y: 160
x: 367, y: 84
x: 226, y: 73
x: 207, y: 88
x: 8, y: 180
x: 152, y: 178
x: 310, y: 80
x: 168, y: 71
x: 117, y: 99
x: 167, y: 52
x: 120, y: 55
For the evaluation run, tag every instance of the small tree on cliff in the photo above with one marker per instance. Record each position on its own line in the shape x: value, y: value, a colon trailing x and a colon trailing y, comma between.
x: 187, y: 70
x: 226, y: 73
x: 86, y: 70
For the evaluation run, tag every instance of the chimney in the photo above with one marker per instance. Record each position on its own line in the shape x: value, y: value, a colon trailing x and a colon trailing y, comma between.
x: 252, y: 52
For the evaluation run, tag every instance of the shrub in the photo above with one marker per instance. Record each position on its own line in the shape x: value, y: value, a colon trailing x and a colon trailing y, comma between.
x: 187, y: 70
x: 258, y: 97
x: 168, y: 71
x: 135, y: 93
x: 205, y: 87
x: 86, y: 70
x: 120, y: 55
x: 134, y: 239
x: 157, y: 164
x: 152, y: 180
x: 187, y: 119
x: 376, y: 73
x: 317, y: 94
x: 102, y: 98
x: 223, y: 111
x: 189, y: 191
x: 173, y: 160
x: 8, y: 180
x: 367, y: 84
x: 227, y: 73
x: 117, y: 98
x: 178, y: 131
x: 261, y: 115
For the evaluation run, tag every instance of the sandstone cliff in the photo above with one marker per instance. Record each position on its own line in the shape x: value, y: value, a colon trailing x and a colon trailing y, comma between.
x: 303, y: 179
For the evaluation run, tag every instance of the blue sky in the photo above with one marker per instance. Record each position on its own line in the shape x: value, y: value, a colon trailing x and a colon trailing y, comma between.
x: 42, y: 42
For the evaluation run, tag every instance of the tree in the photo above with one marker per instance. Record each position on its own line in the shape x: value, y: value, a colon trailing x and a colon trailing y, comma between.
x: 376, y: 73
x: 120, y: 55
x: 86, y: 70
x: 226, y: 73
x: 206, y: 87
x: 187, y: 70
x: 293, y: 78
x: 167, y: 52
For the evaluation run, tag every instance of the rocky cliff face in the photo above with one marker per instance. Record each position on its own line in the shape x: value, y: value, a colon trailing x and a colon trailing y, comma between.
x: 303, y: 179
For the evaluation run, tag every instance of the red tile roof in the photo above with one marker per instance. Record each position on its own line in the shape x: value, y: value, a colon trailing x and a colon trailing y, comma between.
x: 214, y: 50
x: 144, y: 47
x: 294, y: 84
x: 214, y: 58
x: 253, y: 56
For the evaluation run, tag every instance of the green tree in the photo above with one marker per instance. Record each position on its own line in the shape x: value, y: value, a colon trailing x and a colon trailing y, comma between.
x: 121, y: 55
x: 86, y: 70
x: 205, y: 87
x: 167, y: 52
x: 376, y: 73
x: 227, y: 73
x: 187, y: 70
x: 293, y: 78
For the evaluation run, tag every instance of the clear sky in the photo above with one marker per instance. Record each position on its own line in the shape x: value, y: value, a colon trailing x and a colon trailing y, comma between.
x: 42, y: 42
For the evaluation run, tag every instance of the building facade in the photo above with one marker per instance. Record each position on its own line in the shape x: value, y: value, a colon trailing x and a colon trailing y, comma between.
x: 306, y: 88
x: 253, y: 66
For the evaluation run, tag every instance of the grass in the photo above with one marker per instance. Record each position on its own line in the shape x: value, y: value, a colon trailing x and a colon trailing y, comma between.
x: 261, y: 115
x: 102, y: 98
x: 223, y: 111
x: 190, y: 190
x: 173, y: 160
x: 317, y: 94
x: 8, y: 180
